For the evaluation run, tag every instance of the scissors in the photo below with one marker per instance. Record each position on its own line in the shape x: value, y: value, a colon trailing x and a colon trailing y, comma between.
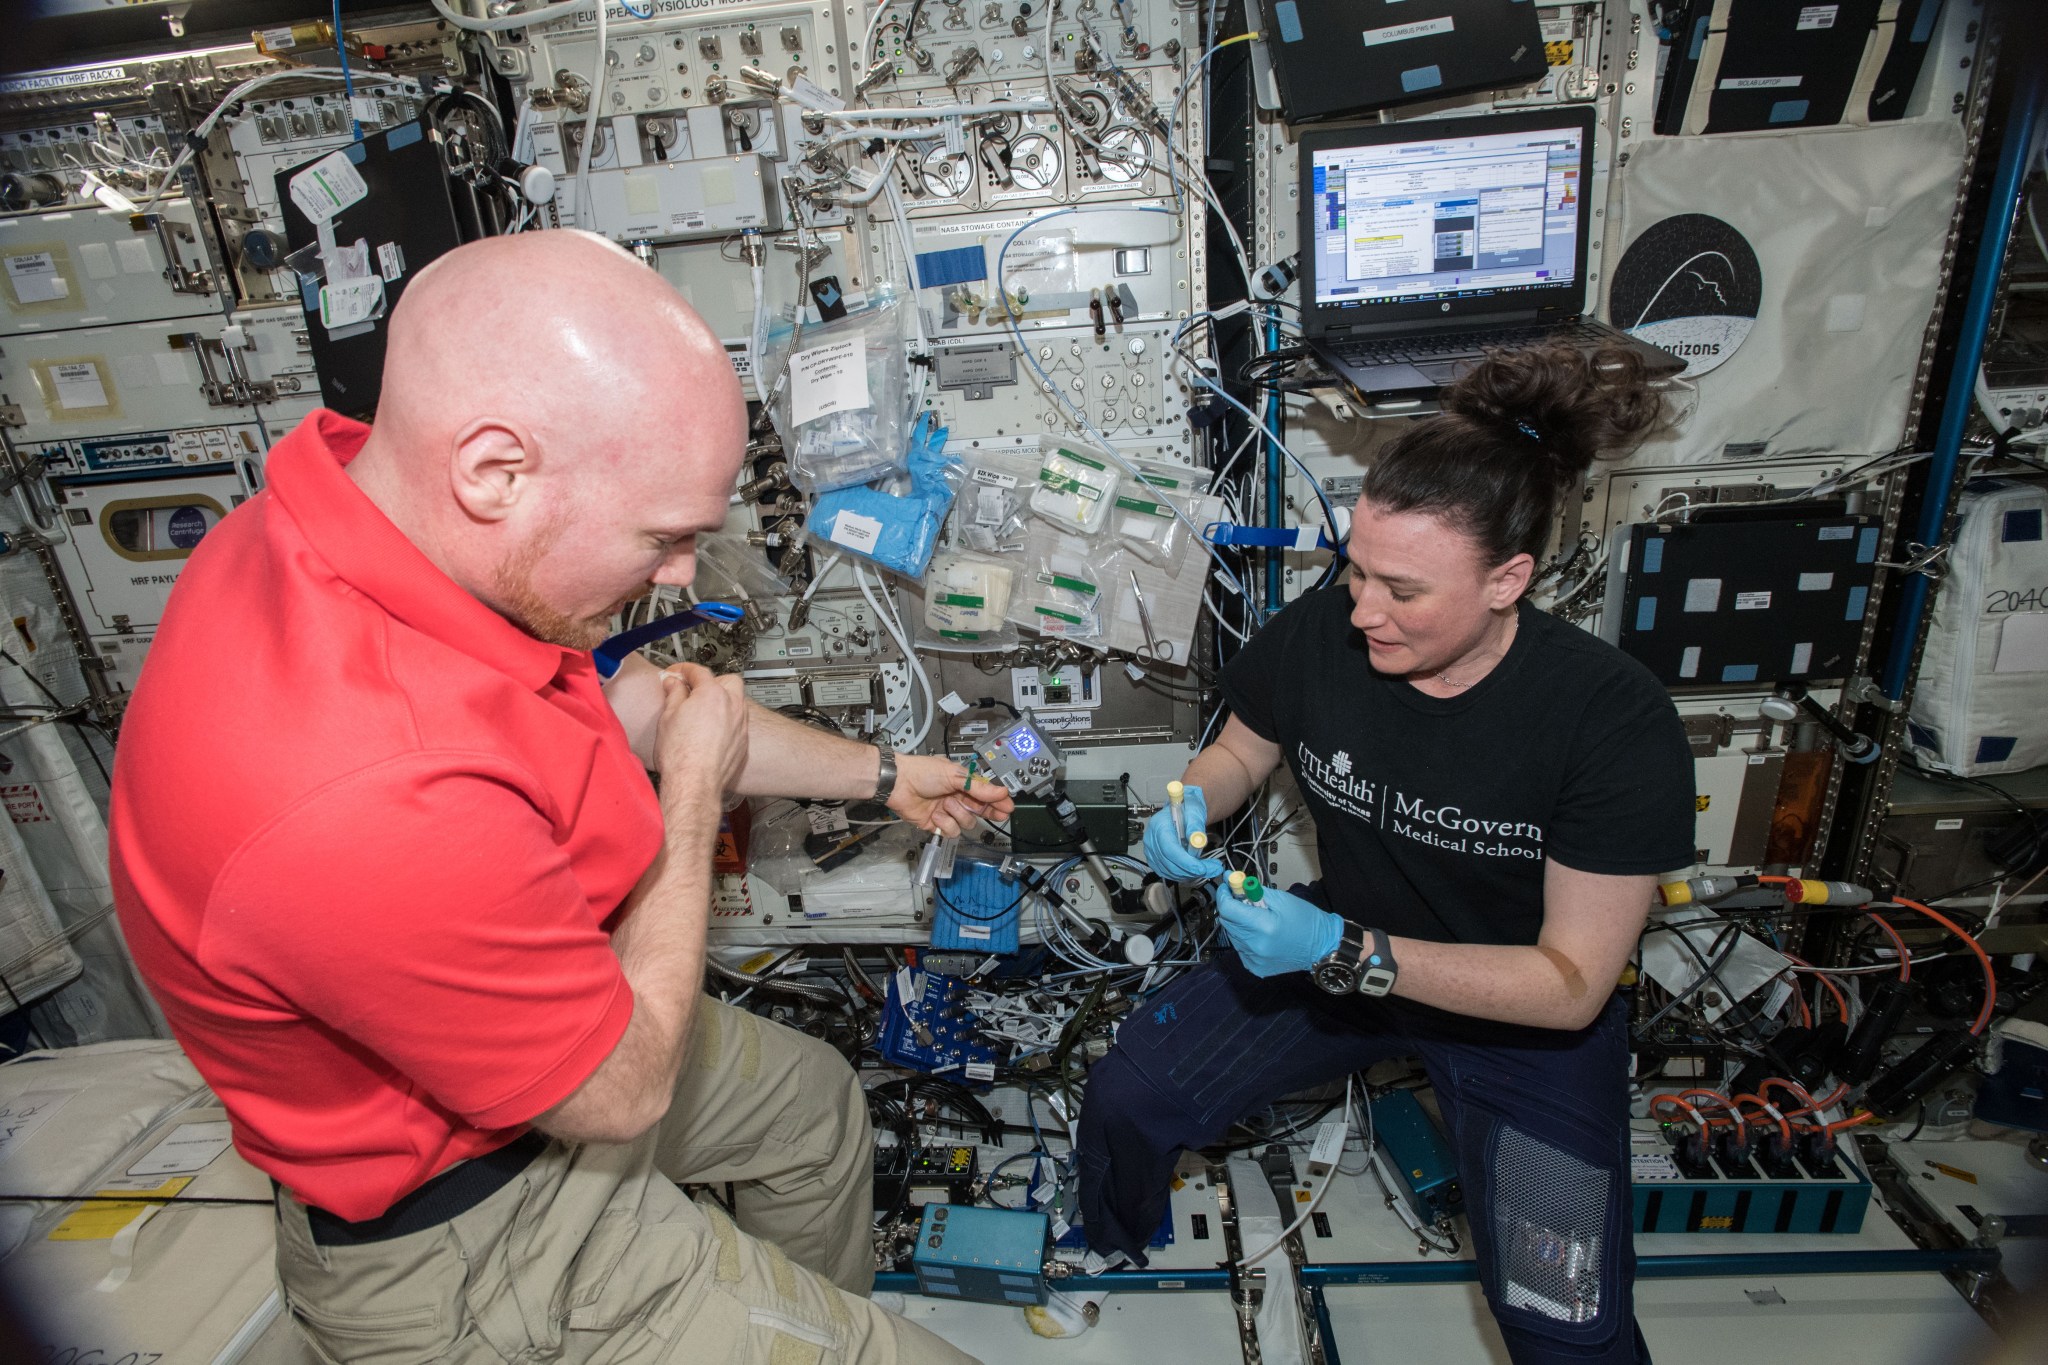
x: 612, y: 653
x: 1154, y: 650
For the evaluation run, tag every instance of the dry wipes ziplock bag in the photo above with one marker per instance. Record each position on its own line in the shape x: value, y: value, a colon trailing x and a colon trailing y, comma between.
x: 1063, y: 594
x: 993, y: 514
x: 840, y: 408
x: 1077, y: 487
x: 1144, y: 514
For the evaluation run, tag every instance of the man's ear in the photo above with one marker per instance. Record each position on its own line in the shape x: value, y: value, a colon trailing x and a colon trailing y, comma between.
x: 1506, y: 584
x: 491, y: 466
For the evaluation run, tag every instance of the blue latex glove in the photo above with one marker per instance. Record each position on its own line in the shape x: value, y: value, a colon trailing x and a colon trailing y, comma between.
x: 1281, y: 933
x: 1169, y: 855
x: 908, y: 522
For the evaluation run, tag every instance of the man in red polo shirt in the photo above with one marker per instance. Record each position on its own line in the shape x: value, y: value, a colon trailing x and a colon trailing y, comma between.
x: 387, y: 856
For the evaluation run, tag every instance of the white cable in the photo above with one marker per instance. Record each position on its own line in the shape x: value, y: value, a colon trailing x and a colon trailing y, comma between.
x: 546, y: 14
x: 894, y: 627
x: 585, y: 219
x: 935, y: 111
x: 1329, y: 1177
x: 204, y: 127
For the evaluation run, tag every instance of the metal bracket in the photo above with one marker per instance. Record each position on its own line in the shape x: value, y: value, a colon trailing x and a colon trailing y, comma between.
x: 11, y: 415
x: 1865, y: 690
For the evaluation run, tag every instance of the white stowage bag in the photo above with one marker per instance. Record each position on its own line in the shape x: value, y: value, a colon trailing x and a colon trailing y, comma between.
x: 1981, y: 703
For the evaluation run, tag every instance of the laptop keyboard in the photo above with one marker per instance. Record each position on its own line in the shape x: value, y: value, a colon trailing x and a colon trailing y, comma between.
x: 1463, y: 345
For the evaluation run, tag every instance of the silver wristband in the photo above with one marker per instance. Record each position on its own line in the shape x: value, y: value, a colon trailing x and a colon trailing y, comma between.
x: 885, y: 778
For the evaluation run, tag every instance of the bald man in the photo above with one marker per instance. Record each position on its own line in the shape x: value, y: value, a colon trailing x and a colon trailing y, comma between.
x: 387, y: 853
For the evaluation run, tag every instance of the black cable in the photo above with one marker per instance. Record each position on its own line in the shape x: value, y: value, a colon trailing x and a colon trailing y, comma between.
x: 1733, y: 937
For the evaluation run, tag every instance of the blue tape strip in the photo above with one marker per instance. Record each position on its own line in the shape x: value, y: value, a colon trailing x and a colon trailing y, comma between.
x: 1790, y: 111
x: 1739, y: 673
x: 1866, y: 546
x: 1289, y: 19
x: 354, y: 152
x: 1857, y: 598
x: 1699, y: 38
x: 1646, y: 614
x: 404, y: 136
x: 955, y: 265
x: 1422, y: 78
x: 1923, y: 22
x: 1653, y: 555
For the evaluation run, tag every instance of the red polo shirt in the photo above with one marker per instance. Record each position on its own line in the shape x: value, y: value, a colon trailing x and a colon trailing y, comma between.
x: 365, y: 836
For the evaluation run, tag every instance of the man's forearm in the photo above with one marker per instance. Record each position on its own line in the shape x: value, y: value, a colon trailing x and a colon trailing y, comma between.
x: 1514, y: 984
x: 789, y: 758
x: 660, y: 946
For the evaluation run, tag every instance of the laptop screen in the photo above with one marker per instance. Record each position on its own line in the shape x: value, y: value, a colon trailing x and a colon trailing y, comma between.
x: 1453, y: 215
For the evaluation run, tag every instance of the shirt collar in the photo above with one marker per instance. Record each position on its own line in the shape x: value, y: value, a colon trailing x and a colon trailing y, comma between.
x: 306, y: 475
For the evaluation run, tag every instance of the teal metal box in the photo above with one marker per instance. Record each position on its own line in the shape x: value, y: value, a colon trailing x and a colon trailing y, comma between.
x: 986, y: 1255
x: 1750, y: 1201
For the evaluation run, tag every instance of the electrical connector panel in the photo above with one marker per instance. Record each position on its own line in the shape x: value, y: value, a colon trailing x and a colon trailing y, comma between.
x: 928, y: 1028
x: 1797, y: 1191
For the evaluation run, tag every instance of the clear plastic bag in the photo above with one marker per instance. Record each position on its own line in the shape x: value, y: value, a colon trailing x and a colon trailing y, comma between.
x: 895, y: 523
x: 1077, y: 488
x: 840, y: 404
x: 992, y: 515
x: 967, y: 602
x: 1063, y: 591
x: 1144, y: 515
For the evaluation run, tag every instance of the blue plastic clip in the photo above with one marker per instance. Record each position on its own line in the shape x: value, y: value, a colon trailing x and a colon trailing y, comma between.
x: 1268, y: 537
x: 612, y: 653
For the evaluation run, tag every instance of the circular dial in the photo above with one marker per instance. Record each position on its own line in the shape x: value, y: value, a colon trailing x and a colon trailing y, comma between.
x: 1035, y: 162
x: 945, y: 176
x: 1124, y: 154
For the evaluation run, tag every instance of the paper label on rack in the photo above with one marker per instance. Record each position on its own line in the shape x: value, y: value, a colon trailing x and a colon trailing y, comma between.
x: 1651, y: 1166
x: 1816, y: 16
x: 277, y: 39
x: 974, y: 931
x: 1760, y: 83
x: 811, y: 95
x: 327, y: 187
x: 390, y: 262
x: 855, y: 531
x: 26, y: 1112
x: 951, y: 704
x: 980, y: 1071
x: 79, y: 385
x: 955, y: 135
x: 35, y: 278
x: 1401, y: 33
x: 103, y: 1220
x: 348, y: 302
x: 1752, y: 601
x: 187, y: 1148
x: 827, y: 379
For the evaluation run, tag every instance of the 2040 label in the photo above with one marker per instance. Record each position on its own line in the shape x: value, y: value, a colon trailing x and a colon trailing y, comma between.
x: 2001, y: 601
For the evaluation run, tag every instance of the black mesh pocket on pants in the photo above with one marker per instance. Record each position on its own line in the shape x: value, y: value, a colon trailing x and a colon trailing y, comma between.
x: 1550, y: 1221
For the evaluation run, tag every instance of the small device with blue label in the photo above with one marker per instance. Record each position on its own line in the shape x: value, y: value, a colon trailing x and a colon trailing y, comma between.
x: 1022, y: 757
x: 983, y: 1255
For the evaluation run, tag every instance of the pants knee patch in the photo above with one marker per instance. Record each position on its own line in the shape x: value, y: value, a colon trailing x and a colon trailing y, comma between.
x: 1553, y: 1252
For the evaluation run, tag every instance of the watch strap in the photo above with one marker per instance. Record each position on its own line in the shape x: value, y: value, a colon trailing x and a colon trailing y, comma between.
x: 1377, y: 970
x: 885, y: 776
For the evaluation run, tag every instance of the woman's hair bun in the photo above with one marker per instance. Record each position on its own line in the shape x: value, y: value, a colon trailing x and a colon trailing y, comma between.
x: 1574, y: 405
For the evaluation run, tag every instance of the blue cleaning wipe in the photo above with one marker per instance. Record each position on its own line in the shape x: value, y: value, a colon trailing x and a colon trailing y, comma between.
x: 978, y: 910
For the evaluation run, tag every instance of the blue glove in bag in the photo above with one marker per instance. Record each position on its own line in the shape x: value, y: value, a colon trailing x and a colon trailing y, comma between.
x: 896, y: 530
x: 1280, y: 933
x: 1168, y: 853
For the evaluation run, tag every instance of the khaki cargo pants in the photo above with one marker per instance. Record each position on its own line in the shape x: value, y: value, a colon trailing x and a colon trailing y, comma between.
x: 592, y: 1255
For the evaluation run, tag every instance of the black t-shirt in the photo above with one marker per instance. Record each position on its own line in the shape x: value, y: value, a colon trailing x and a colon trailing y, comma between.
x: 1434, y: 816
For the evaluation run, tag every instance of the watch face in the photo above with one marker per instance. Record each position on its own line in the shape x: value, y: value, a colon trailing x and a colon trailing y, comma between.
x: 1338, y: 978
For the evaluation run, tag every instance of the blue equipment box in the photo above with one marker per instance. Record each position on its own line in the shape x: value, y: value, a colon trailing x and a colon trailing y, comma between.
x: 928, y: 1028
x: 983, y: 1255
x: 975, y: 910
x: 1416, y: 1150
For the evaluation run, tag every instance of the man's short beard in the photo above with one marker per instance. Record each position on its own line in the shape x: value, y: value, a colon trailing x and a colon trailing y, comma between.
x: 518, y: 602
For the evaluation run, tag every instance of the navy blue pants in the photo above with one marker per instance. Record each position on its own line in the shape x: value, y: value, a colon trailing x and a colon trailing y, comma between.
x: 1538, y: 1119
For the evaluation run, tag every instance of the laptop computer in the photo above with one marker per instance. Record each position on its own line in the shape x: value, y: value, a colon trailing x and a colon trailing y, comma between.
x: 1425, y: 243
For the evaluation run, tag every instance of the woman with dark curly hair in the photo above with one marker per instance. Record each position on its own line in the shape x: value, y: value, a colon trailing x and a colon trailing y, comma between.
x: 1494, y: 793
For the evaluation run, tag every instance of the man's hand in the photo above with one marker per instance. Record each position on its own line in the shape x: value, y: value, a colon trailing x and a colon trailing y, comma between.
x: 703, y: 734
x: 933, y: 793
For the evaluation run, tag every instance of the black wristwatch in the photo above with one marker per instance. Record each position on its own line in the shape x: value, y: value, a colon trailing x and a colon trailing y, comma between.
x: 1352, y: 967
x: 885, y: 776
